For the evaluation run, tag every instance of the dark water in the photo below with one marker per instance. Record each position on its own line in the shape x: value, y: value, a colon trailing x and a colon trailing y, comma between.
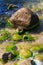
x: 4, y: 5
x: 19, y: 3
x: 4, y: 11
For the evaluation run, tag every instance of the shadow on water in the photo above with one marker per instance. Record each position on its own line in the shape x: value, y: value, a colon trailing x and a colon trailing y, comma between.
x: 40, y: 28
x: 37, y: 29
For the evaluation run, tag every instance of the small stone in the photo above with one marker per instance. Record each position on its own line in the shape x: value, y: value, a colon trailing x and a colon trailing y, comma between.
x: 5, y: 57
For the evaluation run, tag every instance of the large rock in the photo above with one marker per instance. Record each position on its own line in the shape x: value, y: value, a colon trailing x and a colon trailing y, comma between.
x: 24, y: 19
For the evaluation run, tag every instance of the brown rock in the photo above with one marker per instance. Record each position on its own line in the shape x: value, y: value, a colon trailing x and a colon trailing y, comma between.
x: 24, y: 19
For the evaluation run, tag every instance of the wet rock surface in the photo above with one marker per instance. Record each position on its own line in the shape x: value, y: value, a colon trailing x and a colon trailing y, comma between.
x: 24, y: 19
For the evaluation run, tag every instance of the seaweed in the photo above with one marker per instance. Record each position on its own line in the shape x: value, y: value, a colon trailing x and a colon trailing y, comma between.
x: 36, y: 48
x: 4, y: 35
x: 16, y: 37
x: 25, y: 53
x: 13, y: 50
x: 28, y: 37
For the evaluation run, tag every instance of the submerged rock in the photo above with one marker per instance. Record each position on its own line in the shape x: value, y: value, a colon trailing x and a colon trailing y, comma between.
x: 24, y: 19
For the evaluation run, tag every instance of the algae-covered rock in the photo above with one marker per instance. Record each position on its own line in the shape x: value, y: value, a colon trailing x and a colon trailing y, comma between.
x: 16, y: 37
x: 13, y: 49
x: 4, y: 35
x: 36, y: 48
x: 28, y: 37
x: 24, y: 19
x: 25, y: 53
